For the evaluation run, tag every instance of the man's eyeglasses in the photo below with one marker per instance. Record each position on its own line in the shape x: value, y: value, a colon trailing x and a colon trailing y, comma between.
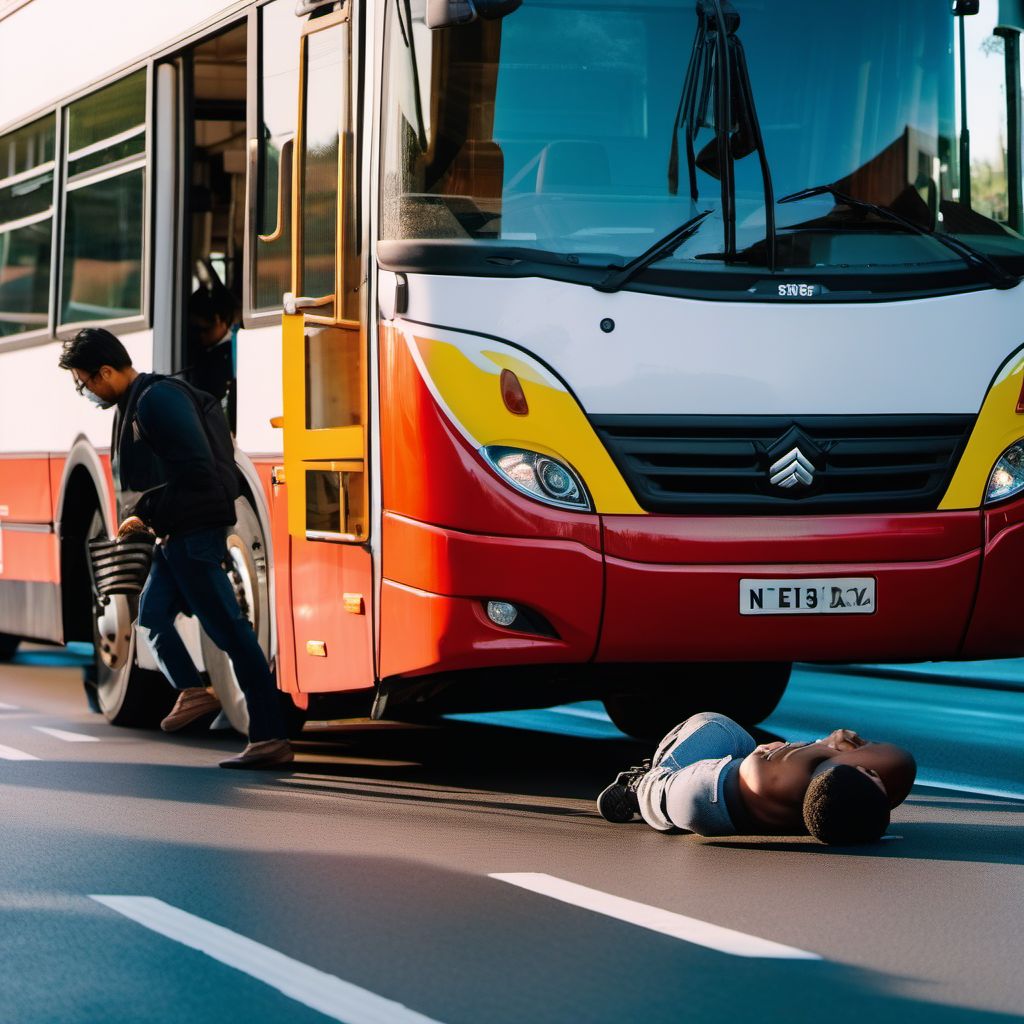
x: 81, y: 382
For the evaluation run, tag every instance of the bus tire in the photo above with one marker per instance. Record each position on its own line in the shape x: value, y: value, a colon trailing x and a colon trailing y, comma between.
x: 8, y: 646
x: 247, y: 571
x: 126, y: 694
x: 747, y: 692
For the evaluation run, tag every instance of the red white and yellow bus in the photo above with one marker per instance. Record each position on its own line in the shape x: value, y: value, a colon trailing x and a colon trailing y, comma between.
x: 588, y: 348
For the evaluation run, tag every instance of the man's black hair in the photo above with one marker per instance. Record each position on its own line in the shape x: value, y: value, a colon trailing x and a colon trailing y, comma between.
x: 843, y: 806
x: 91, y: 348
x: 207, y: 304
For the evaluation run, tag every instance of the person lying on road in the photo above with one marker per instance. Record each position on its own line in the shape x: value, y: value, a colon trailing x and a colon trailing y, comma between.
x: 708, y: 776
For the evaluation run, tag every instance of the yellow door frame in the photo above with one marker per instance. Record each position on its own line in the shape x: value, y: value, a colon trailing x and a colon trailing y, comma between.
x: 331, y: 449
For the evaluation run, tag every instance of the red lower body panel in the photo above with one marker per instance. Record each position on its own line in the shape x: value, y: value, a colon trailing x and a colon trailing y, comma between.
x: 691, y: 613
x: 941, y: 593
x: 436, y: 583
x: 28, y: 555
x: 997, y: 626
x: 673, y: 586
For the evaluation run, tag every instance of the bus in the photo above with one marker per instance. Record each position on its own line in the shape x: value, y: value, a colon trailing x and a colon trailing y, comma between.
x: 584, y: 349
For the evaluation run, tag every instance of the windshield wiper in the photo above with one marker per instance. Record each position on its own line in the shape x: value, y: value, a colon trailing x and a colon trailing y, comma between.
x: 998, y: 277
x: 621, y: 276
x: 718, y: 65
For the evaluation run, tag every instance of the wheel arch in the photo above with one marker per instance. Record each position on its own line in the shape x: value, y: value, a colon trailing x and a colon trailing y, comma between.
x: 252, y: 489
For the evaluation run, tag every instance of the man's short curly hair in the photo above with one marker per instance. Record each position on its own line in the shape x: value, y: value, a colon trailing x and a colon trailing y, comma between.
x: 843, y: 806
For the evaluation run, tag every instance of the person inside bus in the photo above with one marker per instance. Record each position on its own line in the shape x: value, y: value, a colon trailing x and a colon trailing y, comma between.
x: 708, y: 776
x: 213, y: 322
x: 164, y: 446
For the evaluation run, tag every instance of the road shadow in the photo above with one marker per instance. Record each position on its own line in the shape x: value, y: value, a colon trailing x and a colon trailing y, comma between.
x: 456, y: 764
x: 910, y: 840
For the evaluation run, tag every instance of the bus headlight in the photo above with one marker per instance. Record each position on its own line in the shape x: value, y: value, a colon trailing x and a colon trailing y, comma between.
x: 1007, y: 477
x: 542, y: 477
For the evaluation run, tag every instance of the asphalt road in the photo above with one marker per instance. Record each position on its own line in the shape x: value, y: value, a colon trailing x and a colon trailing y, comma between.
x: 361, y: 886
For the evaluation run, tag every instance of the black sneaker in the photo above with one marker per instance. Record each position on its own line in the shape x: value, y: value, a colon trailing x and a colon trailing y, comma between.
x: 618, y: 803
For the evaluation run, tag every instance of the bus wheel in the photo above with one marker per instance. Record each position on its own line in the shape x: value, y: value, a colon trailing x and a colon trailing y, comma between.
x: 747, y: 692
x: 8, y: 646
x: 246, y: 567
x: 126, y: 694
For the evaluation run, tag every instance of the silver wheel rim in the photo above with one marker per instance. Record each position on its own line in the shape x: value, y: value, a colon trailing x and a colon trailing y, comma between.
x: 114, y: 625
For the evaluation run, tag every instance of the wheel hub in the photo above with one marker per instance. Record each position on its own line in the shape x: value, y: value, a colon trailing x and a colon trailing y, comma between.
x: 113, y: 618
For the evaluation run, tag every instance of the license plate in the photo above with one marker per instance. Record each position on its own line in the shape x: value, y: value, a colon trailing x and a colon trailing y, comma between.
x: 834, y: 596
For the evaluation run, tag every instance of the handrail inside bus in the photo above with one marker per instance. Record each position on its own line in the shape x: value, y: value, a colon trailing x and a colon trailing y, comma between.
x: 284, y: 189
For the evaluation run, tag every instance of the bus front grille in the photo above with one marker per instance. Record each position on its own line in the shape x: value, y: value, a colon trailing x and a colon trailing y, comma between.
x: 776, y: 465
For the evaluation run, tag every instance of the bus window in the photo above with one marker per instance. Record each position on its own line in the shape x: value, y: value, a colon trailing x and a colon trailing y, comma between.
x: 105, y: 211
x: 26, y: 226
x: 326, y: 97
x: 277, y: 99
x: 334, y: 376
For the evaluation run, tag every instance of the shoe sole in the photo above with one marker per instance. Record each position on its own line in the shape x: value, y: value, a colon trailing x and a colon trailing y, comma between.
x: 616, y: 804
x: 183, y: 721
x: 259, y: 763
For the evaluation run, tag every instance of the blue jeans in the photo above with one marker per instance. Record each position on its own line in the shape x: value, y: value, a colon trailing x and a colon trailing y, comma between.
x: 188, y: 576
x: 685, y: 788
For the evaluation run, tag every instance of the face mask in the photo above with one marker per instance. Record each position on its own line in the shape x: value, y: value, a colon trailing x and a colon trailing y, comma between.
x: 96, y: 400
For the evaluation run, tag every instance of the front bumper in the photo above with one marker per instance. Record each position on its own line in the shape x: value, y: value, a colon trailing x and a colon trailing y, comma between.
x: 666, y: 589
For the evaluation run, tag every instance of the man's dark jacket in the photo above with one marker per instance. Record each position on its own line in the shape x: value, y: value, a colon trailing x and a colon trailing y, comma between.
x: 160, y: 448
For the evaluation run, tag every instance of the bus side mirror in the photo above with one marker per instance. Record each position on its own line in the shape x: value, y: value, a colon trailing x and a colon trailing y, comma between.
x: 964, y: 8
x: 1011, y: 15
x: 445, y: 13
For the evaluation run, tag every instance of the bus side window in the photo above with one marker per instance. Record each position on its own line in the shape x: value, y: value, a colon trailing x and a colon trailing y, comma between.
x: 104, y: 216
x: 26, y: 226
x: 277, y: 99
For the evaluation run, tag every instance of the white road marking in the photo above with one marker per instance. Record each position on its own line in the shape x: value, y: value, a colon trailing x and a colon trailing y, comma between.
x: 678, y: 926
x: 596, y: 716
x: 952, y: 787
x: 334, y: 998
x: 9, y: 707
x: 67, y: 737
x: 10, y: 754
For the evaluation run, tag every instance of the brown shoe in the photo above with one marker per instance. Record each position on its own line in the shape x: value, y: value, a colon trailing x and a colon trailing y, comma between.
x: 191, y: 704
x: 268, y: 754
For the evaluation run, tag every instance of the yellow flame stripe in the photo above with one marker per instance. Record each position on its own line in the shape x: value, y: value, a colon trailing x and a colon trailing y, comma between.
x: 555, y: 424
x: 999, y: 425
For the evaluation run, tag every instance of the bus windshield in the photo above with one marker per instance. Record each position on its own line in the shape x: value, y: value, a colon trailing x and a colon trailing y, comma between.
x: 550, y: 130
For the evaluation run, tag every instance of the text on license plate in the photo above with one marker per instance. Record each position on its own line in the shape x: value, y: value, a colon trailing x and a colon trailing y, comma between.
x: 833, y: 596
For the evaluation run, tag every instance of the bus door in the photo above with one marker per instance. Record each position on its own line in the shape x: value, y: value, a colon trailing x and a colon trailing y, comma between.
x: 325, y: 377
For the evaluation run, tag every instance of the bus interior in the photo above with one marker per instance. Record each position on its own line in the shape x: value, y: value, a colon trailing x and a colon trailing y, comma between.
x: 214, y: 157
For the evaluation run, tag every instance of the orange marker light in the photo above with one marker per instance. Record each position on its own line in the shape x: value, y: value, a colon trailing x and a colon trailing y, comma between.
x: 512, y: 394
x: 1020, y: 400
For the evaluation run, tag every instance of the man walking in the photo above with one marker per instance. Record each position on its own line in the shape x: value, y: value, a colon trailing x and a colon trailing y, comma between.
x: 162, y: 446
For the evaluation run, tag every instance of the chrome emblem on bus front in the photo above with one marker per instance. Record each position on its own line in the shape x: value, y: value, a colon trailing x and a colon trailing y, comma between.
x: 794, y: 469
